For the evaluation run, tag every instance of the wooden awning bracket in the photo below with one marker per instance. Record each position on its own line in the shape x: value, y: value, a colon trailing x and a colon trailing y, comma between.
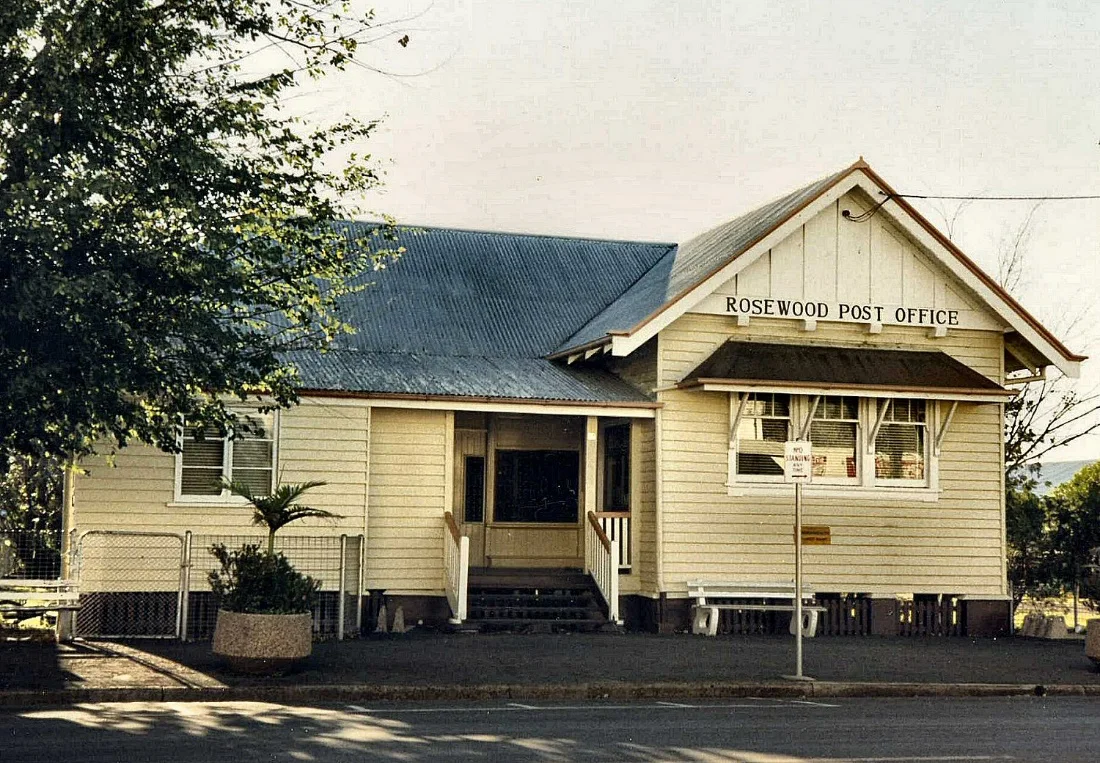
x: 944, y: 427
x: 883, y: 409
x: 805, y: 431
x: 736, y: 411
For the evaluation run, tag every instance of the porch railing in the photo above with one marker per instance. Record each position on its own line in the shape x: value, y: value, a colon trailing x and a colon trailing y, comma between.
x: 456, y: 567
x: 601, y: 561
x: 616, y: 526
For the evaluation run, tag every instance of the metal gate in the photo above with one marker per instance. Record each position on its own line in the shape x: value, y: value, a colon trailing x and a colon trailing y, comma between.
x: 132, y: 584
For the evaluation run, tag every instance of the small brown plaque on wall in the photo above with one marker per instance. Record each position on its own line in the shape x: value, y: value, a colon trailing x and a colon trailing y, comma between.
x: 816, y: 535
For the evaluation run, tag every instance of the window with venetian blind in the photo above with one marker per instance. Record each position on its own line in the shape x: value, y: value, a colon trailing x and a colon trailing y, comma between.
x: 840, y: 430
x: 210, y: 455
x: 764, y: 426
x: 901, y: 445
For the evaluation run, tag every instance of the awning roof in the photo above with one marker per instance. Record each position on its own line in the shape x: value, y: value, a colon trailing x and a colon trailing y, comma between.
x: 756, y: 366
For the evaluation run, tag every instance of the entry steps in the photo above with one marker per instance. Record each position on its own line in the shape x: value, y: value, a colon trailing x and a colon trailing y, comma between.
x: 533, y: 600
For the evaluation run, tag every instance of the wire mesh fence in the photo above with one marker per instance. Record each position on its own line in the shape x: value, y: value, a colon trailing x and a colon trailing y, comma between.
x: 30, y: 554
x: 130, y: 584
x: 158, y: 584
x: 335, y: 561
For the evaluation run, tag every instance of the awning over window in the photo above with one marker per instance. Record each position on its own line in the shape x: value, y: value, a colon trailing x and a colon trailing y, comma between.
x: 800, y: 369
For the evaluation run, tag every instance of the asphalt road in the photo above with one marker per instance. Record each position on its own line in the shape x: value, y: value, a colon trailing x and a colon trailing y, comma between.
x: 752, y: 730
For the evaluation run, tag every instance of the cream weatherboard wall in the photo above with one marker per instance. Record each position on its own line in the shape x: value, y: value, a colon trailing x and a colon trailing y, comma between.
x: 409, y: 486
x: 134, y: 489
x: 321, y: 439
x: 952, y: 545
x: 836, y: 260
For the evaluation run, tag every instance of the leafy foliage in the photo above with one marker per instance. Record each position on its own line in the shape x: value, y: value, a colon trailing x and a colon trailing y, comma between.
x: 1030, y: 564
x: 280, y: 508
x: 167, y: 228
x: 1074, y: 517
x: 258, y: 582
x: 31, y: 496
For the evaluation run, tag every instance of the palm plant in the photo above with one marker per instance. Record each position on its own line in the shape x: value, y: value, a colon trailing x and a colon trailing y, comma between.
x: 280, y: 507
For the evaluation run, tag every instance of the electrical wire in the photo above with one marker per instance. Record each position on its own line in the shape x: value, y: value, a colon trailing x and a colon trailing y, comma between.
x: 989, y: 198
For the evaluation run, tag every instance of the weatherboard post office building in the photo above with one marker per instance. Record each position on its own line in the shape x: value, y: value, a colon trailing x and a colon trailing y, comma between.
x: 524, y: 405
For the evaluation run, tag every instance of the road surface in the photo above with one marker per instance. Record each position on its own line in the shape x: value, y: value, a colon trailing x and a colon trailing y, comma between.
x: 751, y: 730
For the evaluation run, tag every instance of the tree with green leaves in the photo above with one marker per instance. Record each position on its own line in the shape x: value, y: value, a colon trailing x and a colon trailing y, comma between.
x: 1074, y: 517
x: 167, y: 229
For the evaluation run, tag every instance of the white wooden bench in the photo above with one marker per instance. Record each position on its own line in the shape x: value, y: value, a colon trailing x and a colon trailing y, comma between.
x: 705, y: 613
x: 27, y: 596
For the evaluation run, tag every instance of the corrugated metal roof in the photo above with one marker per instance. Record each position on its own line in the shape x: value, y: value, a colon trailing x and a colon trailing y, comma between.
x: 461, y: 376
x: 471, y: 313
x: 642, y: 299
x: 472, y: 293
x: 840, y: 366
x: 693, y: 261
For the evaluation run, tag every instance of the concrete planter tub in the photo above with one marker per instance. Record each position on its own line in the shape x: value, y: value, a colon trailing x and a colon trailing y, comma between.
x: 252, y: 643
x: 1092, y: 641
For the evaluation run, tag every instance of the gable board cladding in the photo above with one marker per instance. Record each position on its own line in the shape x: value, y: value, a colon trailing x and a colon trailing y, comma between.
x: 531, y: 386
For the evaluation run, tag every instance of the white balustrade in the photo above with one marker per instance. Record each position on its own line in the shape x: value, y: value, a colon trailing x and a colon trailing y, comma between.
x: 456, y: 566
x: 601, y: 561
x: 616, y: 526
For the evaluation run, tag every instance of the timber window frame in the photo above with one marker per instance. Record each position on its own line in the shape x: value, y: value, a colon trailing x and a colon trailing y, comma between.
x: 249, y: 455
x: 863, y: 418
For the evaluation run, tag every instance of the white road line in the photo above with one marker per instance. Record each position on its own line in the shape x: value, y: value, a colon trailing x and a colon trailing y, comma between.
x: 809, y: 702
x: 674, y: 704
x: 519, y: 706
x: 358, y: 709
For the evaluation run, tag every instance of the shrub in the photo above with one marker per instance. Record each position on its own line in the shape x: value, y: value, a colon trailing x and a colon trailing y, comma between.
x: 259, y: 582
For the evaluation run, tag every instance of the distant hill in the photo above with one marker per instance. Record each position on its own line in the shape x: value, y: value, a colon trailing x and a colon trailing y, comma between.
x: 1054, y: 473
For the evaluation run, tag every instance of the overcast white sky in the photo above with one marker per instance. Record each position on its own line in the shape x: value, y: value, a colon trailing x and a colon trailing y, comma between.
x: 658, y: 120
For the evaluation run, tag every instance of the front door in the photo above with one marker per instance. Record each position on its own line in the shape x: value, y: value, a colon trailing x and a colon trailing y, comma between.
x: 519, y: 489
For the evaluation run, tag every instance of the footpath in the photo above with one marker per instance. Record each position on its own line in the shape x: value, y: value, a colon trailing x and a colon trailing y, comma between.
x: 435, y: 666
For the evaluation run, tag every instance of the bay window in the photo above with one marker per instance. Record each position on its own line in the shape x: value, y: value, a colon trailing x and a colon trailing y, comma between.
x: 859, y: 443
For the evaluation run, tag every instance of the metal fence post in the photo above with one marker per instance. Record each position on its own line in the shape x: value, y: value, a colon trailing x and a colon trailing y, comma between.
x: 343, y: 587
x: 185, y: 584
x: 359, y: 593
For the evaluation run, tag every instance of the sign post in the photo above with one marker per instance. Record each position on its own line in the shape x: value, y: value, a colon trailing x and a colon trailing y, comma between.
x: 798, y: 467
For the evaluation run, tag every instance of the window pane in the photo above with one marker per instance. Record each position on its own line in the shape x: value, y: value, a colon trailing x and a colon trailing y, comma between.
x: 256, y: 426
x: 834, y: 448
x: 251, y: 454
x: 200, y: 481
x: 257, y: 480
x: 207, y: 453
x: 899, y: 452
x: 537, y: 485
x: 475, y: 489
x: 616, y: 468
x: 760, y: 440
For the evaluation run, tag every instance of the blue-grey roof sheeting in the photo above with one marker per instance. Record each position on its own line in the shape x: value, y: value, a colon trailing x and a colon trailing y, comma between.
x: 692, y: 262
x: 642, y: 299
x: 707, y: 252
x: 461, y: 376
x: 471, y: 293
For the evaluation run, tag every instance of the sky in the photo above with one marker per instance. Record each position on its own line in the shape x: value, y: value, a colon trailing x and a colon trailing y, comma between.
x: 655, y: 121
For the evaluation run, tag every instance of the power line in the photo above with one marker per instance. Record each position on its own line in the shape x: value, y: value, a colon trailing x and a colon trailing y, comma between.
x: 989, y: 198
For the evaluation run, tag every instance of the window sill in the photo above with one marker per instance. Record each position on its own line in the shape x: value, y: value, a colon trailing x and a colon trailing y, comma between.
x: 217, y: 503
x: 850, y: 492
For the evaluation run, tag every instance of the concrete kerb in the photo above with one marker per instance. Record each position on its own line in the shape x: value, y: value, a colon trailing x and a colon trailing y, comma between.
x: 300, y: 694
